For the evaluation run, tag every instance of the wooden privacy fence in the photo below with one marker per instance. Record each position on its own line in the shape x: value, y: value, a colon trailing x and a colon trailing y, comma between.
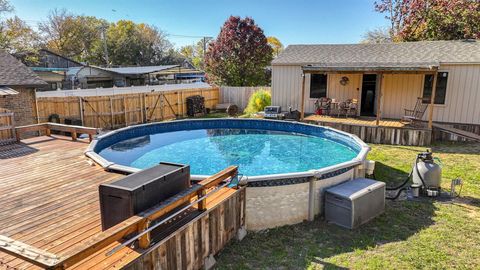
x: 238, y: 95
x: 121, y: 110
x: 7, y: 126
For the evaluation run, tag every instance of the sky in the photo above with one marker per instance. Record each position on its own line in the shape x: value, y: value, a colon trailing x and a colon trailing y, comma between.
x: 292, y: 21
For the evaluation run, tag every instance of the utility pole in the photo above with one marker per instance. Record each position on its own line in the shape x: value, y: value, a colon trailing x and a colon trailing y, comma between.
x: 205, y: 40
x: 105, y: 49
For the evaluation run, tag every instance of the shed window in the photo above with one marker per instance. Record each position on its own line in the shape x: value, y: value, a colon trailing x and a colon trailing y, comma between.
x: 318, y: 85
x: 441, y: 91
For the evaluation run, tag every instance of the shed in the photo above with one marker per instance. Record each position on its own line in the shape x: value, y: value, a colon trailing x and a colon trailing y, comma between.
x: 384, y: 78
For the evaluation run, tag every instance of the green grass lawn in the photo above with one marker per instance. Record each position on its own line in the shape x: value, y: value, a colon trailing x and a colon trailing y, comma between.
x: 424, y: 234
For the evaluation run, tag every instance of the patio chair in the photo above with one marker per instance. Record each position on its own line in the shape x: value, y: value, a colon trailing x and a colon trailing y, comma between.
x: 414, y: 116
x: 348, y: 108
x: 352, y: 107
x: 343, y: 108
x: 323, y: 105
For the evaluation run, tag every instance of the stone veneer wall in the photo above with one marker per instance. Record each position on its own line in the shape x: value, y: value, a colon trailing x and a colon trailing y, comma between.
x: 273, y: 206
x: 22, y: 105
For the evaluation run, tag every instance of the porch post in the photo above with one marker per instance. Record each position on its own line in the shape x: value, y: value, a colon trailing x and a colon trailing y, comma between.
x: 379, y: 98
x: 432, y: 100
x: 302, y: 106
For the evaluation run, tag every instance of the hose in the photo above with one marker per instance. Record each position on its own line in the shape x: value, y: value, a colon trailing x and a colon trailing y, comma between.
x: 401, y: 187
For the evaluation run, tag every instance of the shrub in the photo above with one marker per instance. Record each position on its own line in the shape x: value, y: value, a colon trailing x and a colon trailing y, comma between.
x: 258, y: 101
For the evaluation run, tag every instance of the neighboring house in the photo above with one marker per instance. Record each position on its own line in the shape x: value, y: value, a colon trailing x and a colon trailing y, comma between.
x: 17, y: 88
x: 95, y: 77
x: 53, y: 68
x: 397, y: 73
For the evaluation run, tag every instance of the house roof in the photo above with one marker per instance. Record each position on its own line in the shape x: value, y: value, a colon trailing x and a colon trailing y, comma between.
x: 400, y: 56
x: 139, y: 70
x: 15, y: 73
x: 64, y: 57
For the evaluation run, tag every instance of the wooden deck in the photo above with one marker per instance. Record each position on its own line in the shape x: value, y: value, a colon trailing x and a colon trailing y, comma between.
x: 362, y: 121
x: 387, y: 132
x: 49, y: 199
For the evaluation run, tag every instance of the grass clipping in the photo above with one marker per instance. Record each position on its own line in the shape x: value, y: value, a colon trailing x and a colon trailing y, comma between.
x: 258, y: 101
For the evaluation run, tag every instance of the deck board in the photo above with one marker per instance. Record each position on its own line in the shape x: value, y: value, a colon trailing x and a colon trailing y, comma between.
x: 362, y: 121
x: 49, y: 194
x: 49, y: 199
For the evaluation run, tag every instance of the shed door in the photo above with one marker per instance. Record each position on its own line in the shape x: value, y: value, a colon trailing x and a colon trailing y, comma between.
x: 369, y: 86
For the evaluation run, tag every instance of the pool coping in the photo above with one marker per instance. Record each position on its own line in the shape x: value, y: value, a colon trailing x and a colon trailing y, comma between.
x: 317, y: 173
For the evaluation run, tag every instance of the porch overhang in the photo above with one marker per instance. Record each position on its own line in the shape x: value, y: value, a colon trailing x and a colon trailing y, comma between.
x: 431, y: 67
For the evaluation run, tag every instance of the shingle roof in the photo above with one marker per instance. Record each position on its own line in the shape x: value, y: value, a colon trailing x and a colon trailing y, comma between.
x: 14, y: 73
x: 421, y: 54
x: 139, y: 70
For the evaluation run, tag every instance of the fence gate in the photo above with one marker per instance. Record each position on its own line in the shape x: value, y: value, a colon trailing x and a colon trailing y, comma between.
x: 7, y: 126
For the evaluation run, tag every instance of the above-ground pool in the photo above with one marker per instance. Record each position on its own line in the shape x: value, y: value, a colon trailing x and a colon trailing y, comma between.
x: 257, y: 147
x: 287, y: 164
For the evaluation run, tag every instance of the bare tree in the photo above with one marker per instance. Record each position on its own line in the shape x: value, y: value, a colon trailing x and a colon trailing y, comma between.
x: 377, y: 35
x: 5, y: 7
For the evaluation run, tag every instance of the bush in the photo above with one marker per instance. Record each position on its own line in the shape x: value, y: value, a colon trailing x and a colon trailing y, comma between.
x: 258, y: 101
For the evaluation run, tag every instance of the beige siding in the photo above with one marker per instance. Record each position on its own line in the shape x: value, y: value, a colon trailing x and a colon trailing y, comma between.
x: 462, y: 104
x: 400, y: 92
x: 287, y: 87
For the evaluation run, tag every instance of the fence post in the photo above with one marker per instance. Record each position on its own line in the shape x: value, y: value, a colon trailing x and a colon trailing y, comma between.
x: 125, y: 110
x: 162, y: 107
x: 141, y: 107
x: 111, y: 112
x: 80, y: 107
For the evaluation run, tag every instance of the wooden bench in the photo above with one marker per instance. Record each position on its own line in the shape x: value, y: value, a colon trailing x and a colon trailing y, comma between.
x: 48, y: 127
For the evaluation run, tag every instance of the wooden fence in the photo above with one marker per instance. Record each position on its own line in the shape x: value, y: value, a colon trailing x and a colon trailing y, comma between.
x: 7, y: 126
x: 121, y: 110
x: 238, y: 95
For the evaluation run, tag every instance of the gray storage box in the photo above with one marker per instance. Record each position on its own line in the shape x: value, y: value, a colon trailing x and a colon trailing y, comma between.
x: 354, y: 202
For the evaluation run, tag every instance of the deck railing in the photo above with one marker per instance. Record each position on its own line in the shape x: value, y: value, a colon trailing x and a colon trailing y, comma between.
x: 7, y: 125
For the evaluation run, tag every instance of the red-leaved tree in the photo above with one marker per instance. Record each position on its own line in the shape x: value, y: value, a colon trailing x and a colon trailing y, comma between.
x: 413, y: 20
x: 240, y: 54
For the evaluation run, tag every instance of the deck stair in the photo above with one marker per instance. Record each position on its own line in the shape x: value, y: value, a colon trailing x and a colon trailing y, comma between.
x: 458, y: 132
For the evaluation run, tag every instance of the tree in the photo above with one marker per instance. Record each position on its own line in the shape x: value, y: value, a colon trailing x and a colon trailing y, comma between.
x: 72, y: 36
x: 239, y: 55
x: 378, y: 35
x: 138, y: 44
x: 5, y: 7
x: 194, y: 54
x: 413, y: 20
x: 276, y: 45
x: 18, y: 38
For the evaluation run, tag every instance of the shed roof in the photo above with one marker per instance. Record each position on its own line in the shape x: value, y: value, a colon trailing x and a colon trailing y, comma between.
x: 140, y: 70
x: 7, y: 91
x: 396, y: 56
x: 15, y: 73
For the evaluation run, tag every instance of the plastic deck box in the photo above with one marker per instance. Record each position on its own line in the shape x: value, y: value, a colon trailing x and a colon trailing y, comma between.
x: 140, y: 191
x: 355, y: 202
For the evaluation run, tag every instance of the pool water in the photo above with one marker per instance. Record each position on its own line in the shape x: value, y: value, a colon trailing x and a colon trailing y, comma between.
x: 207, y: 151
